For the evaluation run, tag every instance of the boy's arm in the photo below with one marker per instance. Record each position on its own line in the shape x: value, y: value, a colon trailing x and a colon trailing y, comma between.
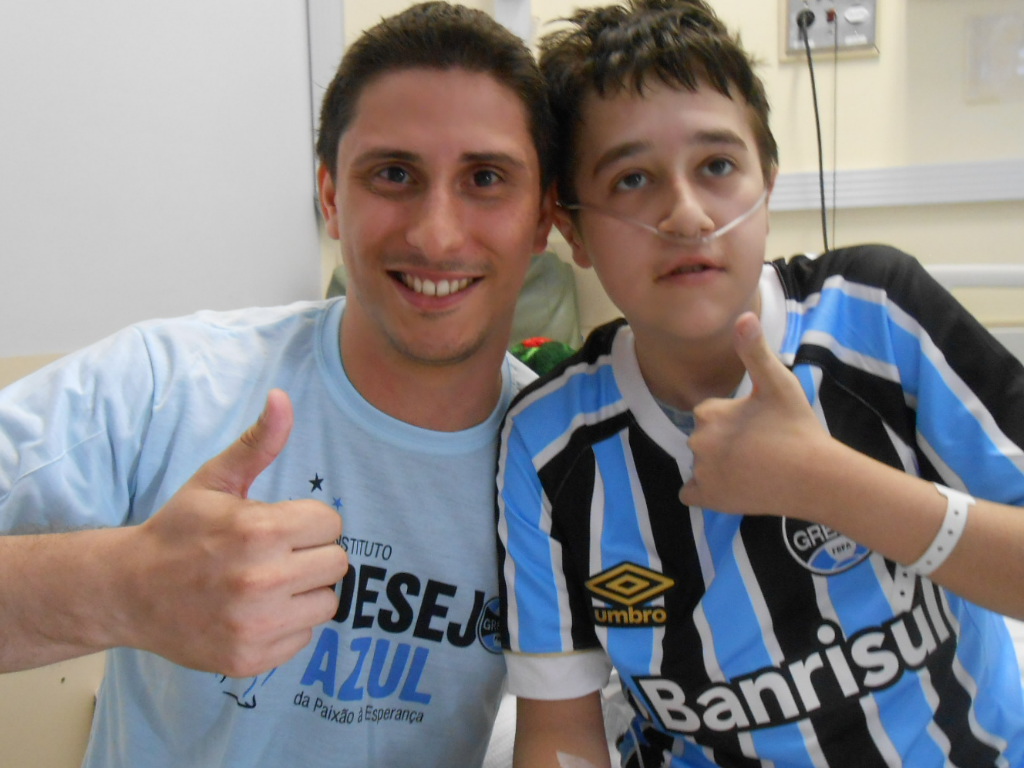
x: 561, y: 733
x: 768, y: 454
x: 213, y: 581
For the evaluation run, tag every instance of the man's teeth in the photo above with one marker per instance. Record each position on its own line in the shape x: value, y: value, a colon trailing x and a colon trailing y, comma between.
x: 438, y: 288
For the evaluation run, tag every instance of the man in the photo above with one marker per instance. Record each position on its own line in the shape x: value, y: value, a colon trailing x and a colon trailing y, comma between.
x: 214, y: 585
x: 784, y: 570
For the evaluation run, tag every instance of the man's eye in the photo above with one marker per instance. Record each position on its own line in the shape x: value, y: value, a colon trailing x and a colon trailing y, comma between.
x: 633, y: 180
x: 720, y: 166
x: 486, y: 178
x: 394, y: 174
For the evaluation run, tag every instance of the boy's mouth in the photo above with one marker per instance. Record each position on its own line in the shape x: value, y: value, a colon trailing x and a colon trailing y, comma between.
x: 690, y: 269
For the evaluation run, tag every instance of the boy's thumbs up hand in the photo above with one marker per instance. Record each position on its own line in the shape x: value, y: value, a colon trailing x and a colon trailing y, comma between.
x: 747, y: 450
x: 224, y: 584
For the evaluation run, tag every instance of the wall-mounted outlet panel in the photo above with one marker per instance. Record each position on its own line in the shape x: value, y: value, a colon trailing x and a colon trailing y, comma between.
x: 846, y: 26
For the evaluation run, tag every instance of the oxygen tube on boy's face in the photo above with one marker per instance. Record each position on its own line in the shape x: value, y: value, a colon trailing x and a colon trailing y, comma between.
x: 672, y: 237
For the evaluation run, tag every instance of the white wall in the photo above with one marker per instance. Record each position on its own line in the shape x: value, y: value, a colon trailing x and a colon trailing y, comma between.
x: 155, y: 158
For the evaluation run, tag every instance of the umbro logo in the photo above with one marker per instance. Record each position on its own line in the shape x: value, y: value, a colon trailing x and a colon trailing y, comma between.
x: 626, y: 587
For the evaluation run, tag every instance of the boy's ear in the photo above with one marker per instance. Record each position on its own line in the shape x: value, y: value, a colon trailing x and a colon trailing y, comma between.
x: 767, y: 200
x: 566, y: 225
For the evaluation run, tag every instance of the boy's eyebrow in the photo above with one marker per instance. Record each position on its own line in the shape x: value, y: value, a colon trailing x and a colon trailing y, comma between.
x: 630, y: 148
x: 720, y: 136
x: 618, y: 152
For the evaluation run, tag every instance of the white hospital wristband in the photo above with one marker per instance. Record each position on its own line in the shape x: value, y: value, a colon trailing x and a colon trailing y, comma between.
x: 958, y: 504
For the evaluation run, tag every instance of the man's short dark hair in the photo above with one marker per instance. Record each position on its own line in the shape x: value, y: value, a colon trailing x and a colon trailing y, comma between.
x: 442, y: 36
x: 682, y: 43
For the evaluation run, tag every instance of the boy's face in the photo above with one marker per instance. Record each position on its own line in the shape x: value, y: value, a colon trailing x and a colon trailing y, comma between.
x: 438, y: 205
x: 685, y: 163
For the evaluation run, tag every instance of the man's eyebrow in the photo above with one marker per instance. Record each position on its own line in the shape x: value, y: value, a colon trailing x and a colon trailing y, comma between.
x: 385, y: 153
x: 405, y: 156
x: 495, y: 158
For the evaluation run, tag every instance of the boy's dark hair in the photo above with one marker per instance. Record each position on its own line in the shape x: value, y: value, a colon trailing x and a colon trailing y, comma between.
x: 680, y: 42
x: 442, y: 36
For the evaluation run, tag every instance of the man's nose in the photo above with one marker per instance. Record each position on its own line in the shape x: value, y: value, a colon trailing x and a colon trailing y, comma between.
x: 438, y: 227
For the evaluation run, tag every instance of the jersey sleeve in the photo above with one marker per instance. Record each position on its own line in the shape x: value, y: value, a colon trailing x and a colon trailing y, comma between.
x: 966, y: 388
x: 536, y: 619
x: 897, y: 340
x: 70, y: 435
x: 561, y: 676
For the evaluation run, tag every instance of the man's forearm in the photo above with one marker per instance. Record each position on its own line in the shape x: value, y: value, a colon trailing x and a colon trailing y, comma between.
x: 57, y: 596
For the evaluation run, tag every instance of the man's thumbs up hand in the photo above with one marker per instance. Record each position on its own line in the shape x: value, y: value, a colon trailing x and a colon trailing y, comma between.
x: 747, y: 451
x: 226, y: 584
x: 238, y: 466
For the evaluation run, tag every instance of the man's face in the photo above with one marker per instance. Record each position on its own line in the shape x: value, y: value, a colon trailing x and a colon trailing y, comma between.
x: 685, y: 164
x: 438, y: 206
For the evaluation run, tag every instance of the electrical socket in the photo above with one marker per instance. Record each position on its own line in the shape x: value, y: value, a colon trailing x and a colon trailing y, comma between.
x: 849, y: 25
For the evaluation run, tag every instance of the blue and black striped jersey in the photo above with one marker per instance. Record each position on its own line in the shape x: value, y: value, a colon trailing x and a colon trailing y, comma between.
x: 752, y: 641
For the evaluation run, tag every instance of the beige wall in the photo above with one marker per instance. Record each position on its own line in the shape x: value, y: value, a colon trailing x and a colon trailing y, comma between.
x: 13, y: 368
x: 46, y: 713
x: 908, y: 106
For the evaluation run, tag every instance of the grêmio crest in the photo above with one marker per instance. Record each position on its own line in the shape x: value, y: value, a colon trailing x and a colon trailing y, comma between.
x: 820, y: 549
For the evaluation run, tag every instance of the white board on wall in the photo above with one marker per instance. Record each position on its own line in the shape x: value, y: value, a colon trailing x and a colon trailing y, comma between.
x: 155, y: 159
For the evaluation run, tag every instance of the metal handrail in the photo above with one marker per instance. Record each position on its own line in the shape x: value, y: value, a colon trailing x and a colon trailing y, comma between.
x: 978, y: 275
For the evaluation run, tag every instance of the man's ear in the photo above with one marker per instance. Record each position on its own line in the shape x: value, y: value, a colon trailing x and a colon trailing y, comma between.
x: 328, y: 206
x: 566, y: 225
x: 544, y: 221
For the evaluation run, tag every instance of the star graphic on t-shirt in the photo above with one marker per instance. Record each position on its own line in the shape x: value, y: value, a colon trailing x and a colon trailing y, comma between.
x: 316, y: 482
x: 337, y: 504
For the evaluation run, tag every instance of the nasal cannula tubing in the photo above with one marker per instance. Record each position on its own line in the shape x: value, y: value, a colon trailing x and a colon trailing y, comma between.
x: 673, y: 237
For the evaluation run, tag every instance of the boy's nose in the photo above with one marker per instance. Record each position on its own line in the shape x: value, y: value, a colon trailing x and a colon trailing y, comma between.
x: 685, y: 216
x: 438, y: 228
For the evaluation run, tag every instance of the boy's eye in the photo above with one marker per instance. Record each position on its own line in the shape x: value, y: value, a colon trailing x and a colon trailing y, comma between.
x: 486, y: 178
x: 632, y: 180
x: 719, y: 166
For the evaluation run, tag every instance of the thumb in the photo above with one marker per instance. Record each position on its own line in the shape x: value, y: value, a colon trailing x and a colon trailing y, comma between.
x: 234, y: 470
x: 758, y: 358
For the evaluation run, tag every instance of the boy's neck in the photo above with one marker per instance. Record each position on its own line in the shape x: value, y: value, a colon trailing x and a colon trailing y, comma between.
x: 683, y: 375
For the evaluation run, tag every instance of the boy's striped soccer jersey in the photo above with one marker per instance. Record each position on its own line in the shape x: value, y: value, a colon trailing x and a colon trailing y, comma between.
x: 751, y: 641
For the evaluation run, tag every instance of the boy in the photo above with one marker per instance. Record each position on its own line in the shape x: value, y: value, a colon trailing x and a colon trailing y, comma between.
x: 770, y: 592
x: 215, y: 587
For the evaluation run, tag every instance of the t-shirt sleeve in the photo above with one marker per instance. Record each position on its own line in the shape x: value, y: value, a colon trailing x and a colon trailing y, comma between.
x: 70, y: 436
